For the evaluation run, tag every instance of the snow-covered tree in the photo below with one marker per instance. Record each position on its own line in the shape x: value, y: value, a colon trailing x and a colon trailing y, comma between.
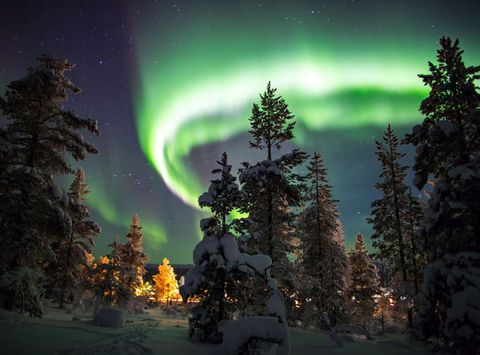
x: 448, y: 308
x: 448, y: 153
x: 166, y: 286
x: 219, y: 268
x: 35, y: 144
x: 364, y: 282
x: 71, y: 268
x: 323, y: 258
x: 223, y: 195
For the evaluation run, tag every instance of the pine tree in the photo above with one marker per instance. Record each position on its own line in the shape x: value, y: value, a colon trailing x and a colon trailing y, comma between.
x: 271, y: 188
x: 72, y: 254
x: 223, y: 195
x: 166, y: 286
x: 272, y: 122
x: 39, y: 137
x: 323, y: 258
x: 364, y: 282
x: 448, y: 152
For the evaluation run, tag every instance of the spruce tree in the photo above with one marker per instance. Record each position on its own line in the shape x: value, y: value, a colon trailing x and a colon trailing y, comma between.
x: 223, y: 195
x: 364, y: 282
x: 323, y: 258
x: 35, y: 144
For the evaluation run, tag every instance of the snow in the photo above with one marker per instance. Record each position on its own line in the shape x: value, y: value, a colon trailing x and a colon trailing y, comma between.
x: 461, y: 172
x: 236, y: 334
x: 207, y: 246
x: 157, y: 333
x: 109, y: 317
x: 230, y: 248
x: 453, y: 281
x: 191, y: 281
x: 259, y: 263
x: 276, y: 305
x: 447, y: 127
x: 260, y: 171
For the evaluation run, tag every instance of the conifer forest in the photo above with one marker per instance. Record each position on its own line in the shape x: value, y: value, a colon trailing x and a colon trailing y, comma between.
x: 239, y: 177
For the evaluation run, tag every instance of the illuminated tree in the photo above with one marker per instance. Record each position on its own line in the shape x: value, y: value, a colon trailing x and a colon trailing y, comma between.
x: 166, y: 287
x: 110, y: 279
x: 384, y: 306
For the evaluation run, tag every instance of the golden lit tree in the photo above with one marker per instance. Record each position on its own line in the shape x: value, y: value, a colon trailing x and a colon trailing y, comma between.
x: 166, y: 287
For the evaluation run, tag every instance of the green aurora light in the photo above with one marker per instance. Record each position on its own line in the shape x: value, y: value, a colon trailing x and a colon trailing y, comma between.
x: 198, y: 74
x: 118, y: 217
x: 216, y: 108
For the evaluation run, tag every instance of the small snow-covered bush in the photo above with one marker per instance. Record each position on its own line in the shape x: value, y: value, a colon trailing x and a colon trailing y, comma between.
x: 449, y: 306
x: 216, y: 280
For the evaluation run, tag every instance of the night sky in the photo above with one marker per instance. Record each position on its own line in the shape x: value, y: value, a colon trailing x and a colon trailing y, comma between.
x: 172, y: 84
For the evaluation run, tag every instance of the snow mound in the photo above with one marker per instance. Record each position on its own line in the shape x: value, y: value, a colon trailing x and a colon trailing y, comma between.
x: 109, y: 317
x: 245, y: 334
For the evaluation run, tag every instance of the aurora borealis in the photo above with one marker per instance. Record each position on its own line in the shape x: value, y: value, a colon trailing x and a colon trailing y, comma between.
x: 172, y: 84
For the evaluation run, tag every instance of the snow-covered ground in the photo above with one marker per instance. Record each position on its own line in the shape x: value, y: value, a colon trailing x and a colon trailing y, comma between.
x: 157, y: 333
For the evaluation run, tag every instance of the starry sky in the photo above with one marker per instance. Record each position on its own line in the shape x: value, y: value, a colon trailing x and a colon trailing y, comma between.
x: 171, y: 84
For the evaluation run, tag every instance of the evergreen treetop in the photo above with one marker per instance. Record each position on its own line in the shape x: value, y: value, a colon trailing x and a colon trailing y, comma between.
x: 271, y: 122
x: 223, y: 195
x: 448, y: 136
x: 39, y: 128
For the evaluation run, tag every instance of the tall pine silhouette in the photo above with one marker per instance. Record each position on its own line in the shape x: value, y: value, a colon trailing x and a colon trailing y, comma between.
x: 38, y: 142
